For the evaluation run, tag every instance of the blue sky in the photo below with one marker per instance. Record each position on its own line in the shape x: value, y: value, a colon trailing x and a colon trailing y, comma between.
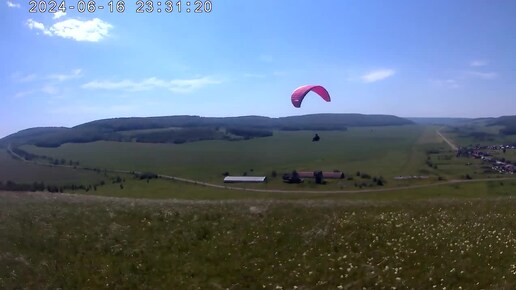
x: 407, y: 58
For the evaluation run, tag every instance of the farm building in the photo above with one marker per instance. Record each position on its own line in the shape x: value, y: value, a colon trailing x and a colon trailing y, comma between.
x: 327, y: 174
x: 306, y: 174
x: 252, y: 179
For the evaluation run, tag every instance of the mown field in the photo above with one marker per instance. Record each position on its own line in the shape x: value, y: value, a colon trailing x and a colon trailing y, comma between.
x: 380, y: 152
x: 62, y: 241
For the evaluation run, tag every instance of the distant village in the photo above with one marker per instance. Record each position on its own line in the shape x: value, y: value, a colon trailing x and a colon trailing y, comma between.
x: 500, y: 165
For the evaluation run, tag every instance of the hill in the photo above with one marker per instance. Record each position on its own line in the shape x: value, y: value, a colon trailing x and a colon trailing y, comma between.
x: 509, y: 123
x: 438, y: 121
x: 484, y: 131
x: 180, y: 129
x: 337, y: 121
x: 303, y: 122
x: 505, y: 125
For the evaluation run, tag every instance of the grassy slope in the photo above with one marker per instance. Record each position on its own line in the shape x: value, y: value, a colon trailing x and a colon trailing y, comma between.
x: 351, y: 240
x: 82, y: 242
x: 167, y: 189
x: 23, y: 172
x: 463, y: 136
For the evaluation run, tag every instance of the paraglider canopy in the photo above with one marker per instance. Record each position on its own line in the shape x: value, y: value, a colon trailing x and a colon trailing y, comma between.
x: 299, y: 94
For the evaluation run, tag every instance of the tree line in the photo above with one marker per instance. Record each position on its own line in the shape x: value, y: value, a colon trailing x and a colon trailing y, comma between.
x: 32, y: 157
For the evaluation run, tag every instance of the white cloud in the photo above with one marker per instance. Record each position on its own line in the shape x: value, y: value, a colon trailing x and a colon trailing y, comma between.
x: 49, y: 89
x: 91, y: 30
x: 38, y: 26
x: 23, y: 78
x: 23, y: 94
x: 253, y: 75
x: 451, y: 83
x: 483, y: 75
x: 463, y: 79
x: 266, y: 58
x: 279, y: 73
x: 377, y: 75
x: 76, y: 73
x: 477, y: 63
x: 80, y: 109
x: 177, y: 85
x: 12, y: 4
x: 27, y: 78
x: 59, y: 14
x: 447, y: 83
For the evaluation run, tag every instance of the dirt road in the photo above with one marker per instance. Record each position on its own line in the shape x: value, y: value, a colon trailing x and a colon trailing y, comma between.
x: 452, y: 146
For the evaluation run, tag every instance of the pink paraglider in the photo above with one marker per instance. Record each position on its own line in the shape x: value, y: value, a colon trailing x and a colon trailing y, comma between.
x: 299, y: 94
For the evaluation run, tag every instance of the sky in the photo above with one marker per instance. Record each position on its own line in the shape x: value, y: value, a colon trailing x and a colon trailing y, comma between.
x: 436, y: 58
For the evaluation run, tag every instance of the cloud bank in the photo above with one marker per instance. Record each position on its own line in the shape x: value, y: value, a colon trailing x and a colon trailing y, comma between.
x: 377, y: 75
x: 477, y: 63
x: 12, y: 4
x: 177, y: 85
x: 92, y: 30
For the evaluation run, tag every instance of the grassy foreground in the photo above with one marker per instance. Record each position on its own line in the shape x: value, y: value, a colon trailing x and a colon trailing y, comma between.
x: 63, y: 241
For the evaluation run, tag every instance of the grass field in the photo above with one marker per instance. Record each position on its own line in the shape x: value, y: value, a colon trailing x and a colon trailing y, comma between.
x: 62, y: 241
x: 463, y: 136
x: 24, y: 172
x: 158, y: 189
x: 366, y: 149
x: 165, y: 234
x: 380, y: 151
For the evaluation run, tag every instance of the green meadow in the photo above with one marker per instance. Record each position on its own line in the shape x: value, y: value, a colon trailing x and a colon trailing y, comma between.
x: 371, y: 152
x: 80, y: 241
x: 479, y: 133
x: 26, y: 172
x: 444, y: 232
x: 377, y: 151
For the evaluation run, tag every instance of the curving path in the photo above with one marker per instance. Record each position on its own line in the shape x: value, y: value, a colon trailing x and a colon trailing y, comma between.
x: 454, y: 181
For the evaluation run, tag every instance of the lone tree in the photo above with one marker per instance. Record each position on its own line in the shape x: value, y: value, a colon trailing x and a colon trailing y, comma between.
x: 292, y: 178
x: 316, y: 138
x: 295, y: 175
x: 319, y: 177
